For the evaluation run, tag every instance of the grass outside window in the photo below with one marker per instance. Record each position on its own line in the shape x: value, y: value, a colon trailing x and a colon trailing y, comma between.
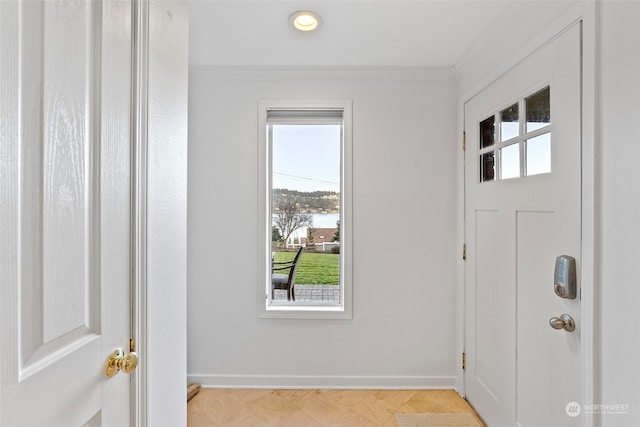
x: 314, y: 268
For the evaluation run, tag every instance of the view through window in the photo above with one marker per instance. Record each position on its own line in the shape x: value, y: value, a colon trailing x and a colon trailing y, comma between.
x: 305, y: 169
x: 305, y: 205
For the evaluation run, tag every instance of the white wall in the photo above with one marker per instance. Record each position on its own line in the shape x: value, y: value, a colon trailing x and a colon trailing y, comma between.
x: 404, y: 192
x: 618, y: 86
x: 515, y: 34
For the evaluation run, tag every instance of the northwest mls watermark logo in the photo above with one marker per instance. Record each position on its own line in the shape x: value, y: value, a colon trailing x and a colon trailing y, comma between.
x: 573, y: 409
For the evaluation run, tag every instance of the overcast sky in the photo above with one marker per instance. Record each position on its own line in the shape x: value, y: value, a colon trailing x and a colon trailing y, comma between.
x: 306, y: 157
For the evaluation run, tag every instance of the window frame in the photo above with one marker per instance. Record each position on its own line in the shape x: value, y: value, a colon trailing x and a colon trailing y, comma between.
x: 266, y: 310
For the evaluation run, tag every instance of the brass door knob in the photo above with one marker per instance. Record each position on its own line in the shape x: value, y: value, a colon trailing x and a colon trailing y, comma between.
x: 119, y: 361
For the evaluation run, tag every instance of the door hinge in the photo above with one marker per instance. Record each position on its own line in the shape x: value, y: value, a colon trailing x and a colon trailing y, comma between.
x: 132, y: 345
x: 464, y: 141
x: 464, y: 361
x: 464, y: 251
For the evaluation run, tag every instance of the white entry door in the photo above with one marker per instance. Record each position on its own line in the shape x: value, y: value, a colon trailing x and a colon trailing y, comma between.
x: 522, y: 210
x: 65, y: 211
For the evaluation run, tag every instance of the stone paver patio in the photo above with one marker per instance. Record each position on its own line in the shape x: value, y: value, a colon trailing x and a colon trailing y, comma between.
x: 326, y: 294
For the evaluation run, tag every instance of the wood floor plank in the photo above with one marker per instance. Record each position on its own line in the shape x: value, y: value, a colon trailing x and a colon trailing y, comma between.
x: 313, y: 408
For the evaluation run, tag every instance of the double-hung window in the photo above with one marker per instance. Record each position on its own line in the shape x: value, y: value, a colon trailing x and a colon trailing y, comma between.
x: 304, y: 209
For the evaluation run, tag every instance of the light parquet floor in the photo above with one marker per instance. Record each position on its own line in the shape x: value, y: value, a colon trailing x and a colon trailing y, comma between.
x: 302, y: 408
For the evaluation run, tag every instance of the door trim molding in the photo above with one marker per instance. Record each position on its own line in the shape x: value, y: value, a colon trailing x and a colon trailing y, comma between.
x: 139, y: 156
x: 590, y: 289
x: 164, y: 333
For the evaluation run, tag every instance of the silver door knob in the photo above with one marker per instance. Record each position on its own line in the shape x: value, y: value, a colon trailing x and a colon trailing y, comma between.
x: 565, y: 322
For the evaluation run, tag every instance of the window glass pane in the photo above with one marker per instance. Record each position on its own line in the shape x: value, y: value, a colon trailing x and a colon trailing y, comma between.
x: 487, y: 132
x: 539, y: 154
x: 538, y: 110
x: 305, y: 195
x: 487, y: 167
x: 509, y: 126
x: 510, y: 161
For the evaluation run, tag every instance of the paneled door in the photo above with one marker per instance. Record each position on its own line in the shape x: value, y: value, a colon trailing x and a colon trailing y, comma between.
x: 65, y: 262
x: 522, y: 211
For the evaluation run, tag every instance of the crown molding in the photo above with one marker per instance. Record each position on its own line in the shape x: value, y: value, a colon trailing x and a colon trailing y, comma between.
x: 327, y: 73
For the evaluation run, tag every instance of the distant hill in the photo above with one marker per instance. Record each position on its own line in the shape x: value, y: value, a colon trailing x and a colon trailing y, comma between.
x: 309, y: 201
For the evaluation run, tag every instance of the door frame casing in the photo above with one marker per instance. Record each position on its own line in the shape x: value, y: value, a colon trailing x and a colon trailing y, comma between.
x: 586, y: 14
x: 139, y: 109
x: 159, y: 201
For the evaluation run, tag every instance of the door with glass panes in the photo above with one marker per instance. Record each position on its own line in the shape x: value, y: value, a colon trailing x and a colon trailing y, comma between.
x: 522, y: 211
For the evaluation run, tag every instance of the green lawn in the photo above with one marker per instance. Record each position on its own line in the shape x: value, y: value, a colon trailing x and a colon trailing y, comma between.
x: 314, y: 268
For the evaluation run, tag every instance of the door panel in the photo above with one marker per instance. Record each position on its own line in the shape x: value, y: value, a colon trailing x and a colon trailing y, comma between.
x: 58, y: 155
x: 66, y: 174
x: 520, y: 371
x: 490, y: 327
x: 534, y: 243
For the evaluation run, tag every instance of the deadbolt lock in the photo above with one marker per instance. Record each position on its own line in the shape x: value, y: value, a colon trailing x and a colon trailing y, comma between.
x: 119, y: 361
x: 564, y: 277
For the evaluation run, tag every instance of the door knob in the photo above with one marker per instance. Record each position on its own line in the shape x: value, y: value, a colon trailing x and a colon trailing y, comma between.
x: 119, y: 361
x: 565, y: 322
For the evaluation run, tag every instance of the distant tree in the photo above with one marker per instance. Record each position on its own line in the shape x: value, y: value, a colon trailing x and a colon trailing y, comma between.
x: 289, y: 218
x: 336, y: 237
x: 276, y: 236
x: 310, y: 237
x: 311, y: 201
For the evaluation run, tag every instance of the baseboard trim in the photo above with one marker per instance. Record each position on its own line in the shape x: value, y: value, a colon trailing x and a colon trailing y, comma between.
x: 323, y: 382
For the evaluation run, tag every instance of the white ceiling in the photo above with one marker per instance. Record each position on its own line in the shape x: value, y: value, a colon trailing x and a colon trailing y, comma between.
x: 353, y: 32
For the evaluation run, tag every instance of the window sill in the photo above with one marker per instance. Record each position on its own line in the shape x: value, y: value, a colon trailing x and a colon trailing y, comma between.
x: 290, y: 311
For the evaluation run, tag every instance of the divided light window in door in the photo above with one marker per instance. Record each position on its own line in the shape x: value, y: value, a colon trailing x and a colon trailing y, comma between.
x: 516, y: 141
x: 305, y: 152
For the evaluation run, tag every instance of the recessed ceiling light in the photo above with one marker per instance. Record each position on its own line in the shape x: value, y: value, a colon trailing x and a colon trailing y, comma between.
x: 305, y: 20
